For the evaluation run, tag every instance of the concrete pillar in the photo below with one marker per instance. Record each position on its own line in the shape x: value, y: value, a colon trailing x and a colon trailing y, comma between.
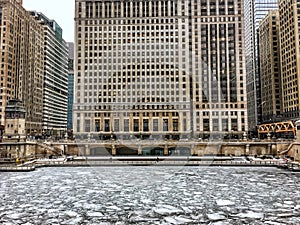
x: 113, y: 150
x: 166, y: 150
x: 87, y: 150
x: 247, y: 149
x: 140, y: 150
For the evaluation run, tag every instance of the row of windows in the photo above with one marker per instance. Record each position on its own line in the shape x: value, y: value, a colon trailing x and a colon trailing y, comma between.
x: 134, y: 114
x: 158, y: 124
x: 132, y: 104
x: 98, y: 9
x: 117, y: 9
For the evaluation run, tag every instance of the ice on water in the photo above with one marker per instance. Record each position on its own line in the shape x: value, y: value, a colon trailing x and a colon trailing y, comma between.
x: 150, y: 195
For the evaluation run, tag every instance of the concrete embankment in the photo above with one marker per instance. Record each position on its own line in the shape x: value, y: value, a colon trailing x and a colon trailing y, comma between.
x: 169, y: 162
x: 17, y: 168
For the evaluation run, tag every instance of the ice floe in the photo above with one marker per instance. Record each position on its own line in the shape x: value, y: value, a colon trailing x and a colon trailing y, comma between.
x: 251, y: 214
x: 71, y: 213
x: 166, y: 210
x: 178, y: 220
x: 95, y: 214
x: 221, y: 202
x: 216, y: 216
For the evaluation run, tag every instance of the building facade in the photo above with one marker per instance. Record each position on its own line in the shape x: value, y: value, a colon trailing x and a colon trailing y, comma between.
x: 159, y: 69
x: 269, y: 56
x: 70, y: 84
x: 255, y: 10
x: 22, y: 62
x: 55, y: 96
x: 289, y: 14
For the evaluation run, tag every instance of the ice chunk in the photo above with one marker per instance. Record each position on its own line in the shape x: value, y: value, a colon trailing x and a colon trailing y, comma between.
x: 95, y: 214
x: 170, y: 220
x: 221, y: 202
x: 251, y: 214
x: 146, y: 201
x: 53, y: 210
x: 216, y: 216
x: 114, y: 208
x: 15, y: 215
x: 77, y: 220
x: 142, y: 219
x: 284, y: 215
x: 221, y: 223
x: 166, y: 210
x: 222, y: 185
x: 177, y: 220
x: 71, y: 213
x: 272, y: 223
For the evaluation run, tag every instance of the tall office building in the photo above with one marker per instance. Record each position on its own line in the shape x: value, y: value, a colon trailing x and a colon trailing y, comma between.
x: 269, y: 56
x: 55, y: 96
x: 289, y: 14
x: 255, y: 10
x: 161, y: 69
x: 70, y: 84
x: 22, y: 62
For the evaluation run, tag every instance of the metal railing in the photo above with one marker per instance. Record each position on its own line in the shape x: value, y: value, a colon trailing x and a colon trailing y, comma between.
x: 162, y: 162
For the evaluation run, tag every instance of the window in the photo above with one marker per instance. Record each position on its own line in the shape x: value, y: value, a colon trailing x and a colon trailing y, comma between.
x: 136, y: 125
x: 155, y: 124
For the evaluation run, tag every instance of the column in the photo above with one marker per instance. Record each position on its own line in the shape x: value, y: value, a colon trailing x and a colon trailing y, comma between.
x: 113, y: 150
x: 140, y: 150
x: 247, y: 149
x: 87, y: 150
x: 166, y: 150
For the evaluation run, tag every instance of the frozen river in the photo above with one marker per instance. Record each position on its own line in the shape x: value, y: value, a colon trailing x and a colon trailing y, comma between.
x: 150, y: 195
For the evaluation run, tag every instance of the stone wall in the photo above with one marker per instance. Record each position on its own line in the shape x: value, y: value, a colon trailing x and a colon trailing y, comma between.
x: 22, y: 150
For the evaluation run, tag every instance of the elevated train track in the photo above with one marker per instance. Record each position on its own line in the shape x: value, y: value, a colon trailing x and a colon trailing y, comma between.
x: 286, y: 128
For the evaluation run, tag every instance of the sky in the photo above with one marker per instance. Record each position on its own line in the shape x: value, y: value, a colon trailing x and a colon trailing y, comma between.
x: 62, y: 11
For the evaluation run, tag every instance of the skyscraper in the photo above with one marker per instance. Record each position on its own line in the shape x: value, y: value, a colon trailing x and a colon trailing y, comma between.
x: 160, y: 69
x: 289, y: 20
x: 255, y: 10
x: 22, y: 62
x: 269, y: 56
x: 55, y: 95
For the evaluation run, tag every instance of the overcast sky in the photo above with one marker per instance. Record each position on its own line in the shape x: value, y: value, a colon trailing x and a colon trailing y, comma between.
x: 62, y: 11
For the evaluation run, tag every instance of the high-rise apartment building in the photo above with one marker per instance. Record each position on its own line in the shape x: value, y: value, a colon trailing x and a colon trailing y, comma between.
x: 255, y: 10
x: 161, y: 69
x: 22, y: 62
x: 269, y: 56
x: 289, y: 14
x: 55, y: 96
x: 70, y: 84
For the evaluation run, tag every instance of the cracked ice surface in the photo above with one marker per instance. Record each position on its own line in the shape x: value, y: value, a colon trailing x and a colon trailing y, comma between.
x: 150, y: 195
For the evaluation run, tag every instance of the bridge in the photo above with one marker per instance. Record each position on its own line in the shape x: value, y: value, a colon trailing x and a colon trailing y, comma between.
x: 280, y: 128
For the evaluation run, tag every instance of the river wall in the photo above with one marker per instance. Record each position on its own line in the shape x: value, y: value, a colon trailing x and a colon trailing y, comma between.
x: 42, y: 149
